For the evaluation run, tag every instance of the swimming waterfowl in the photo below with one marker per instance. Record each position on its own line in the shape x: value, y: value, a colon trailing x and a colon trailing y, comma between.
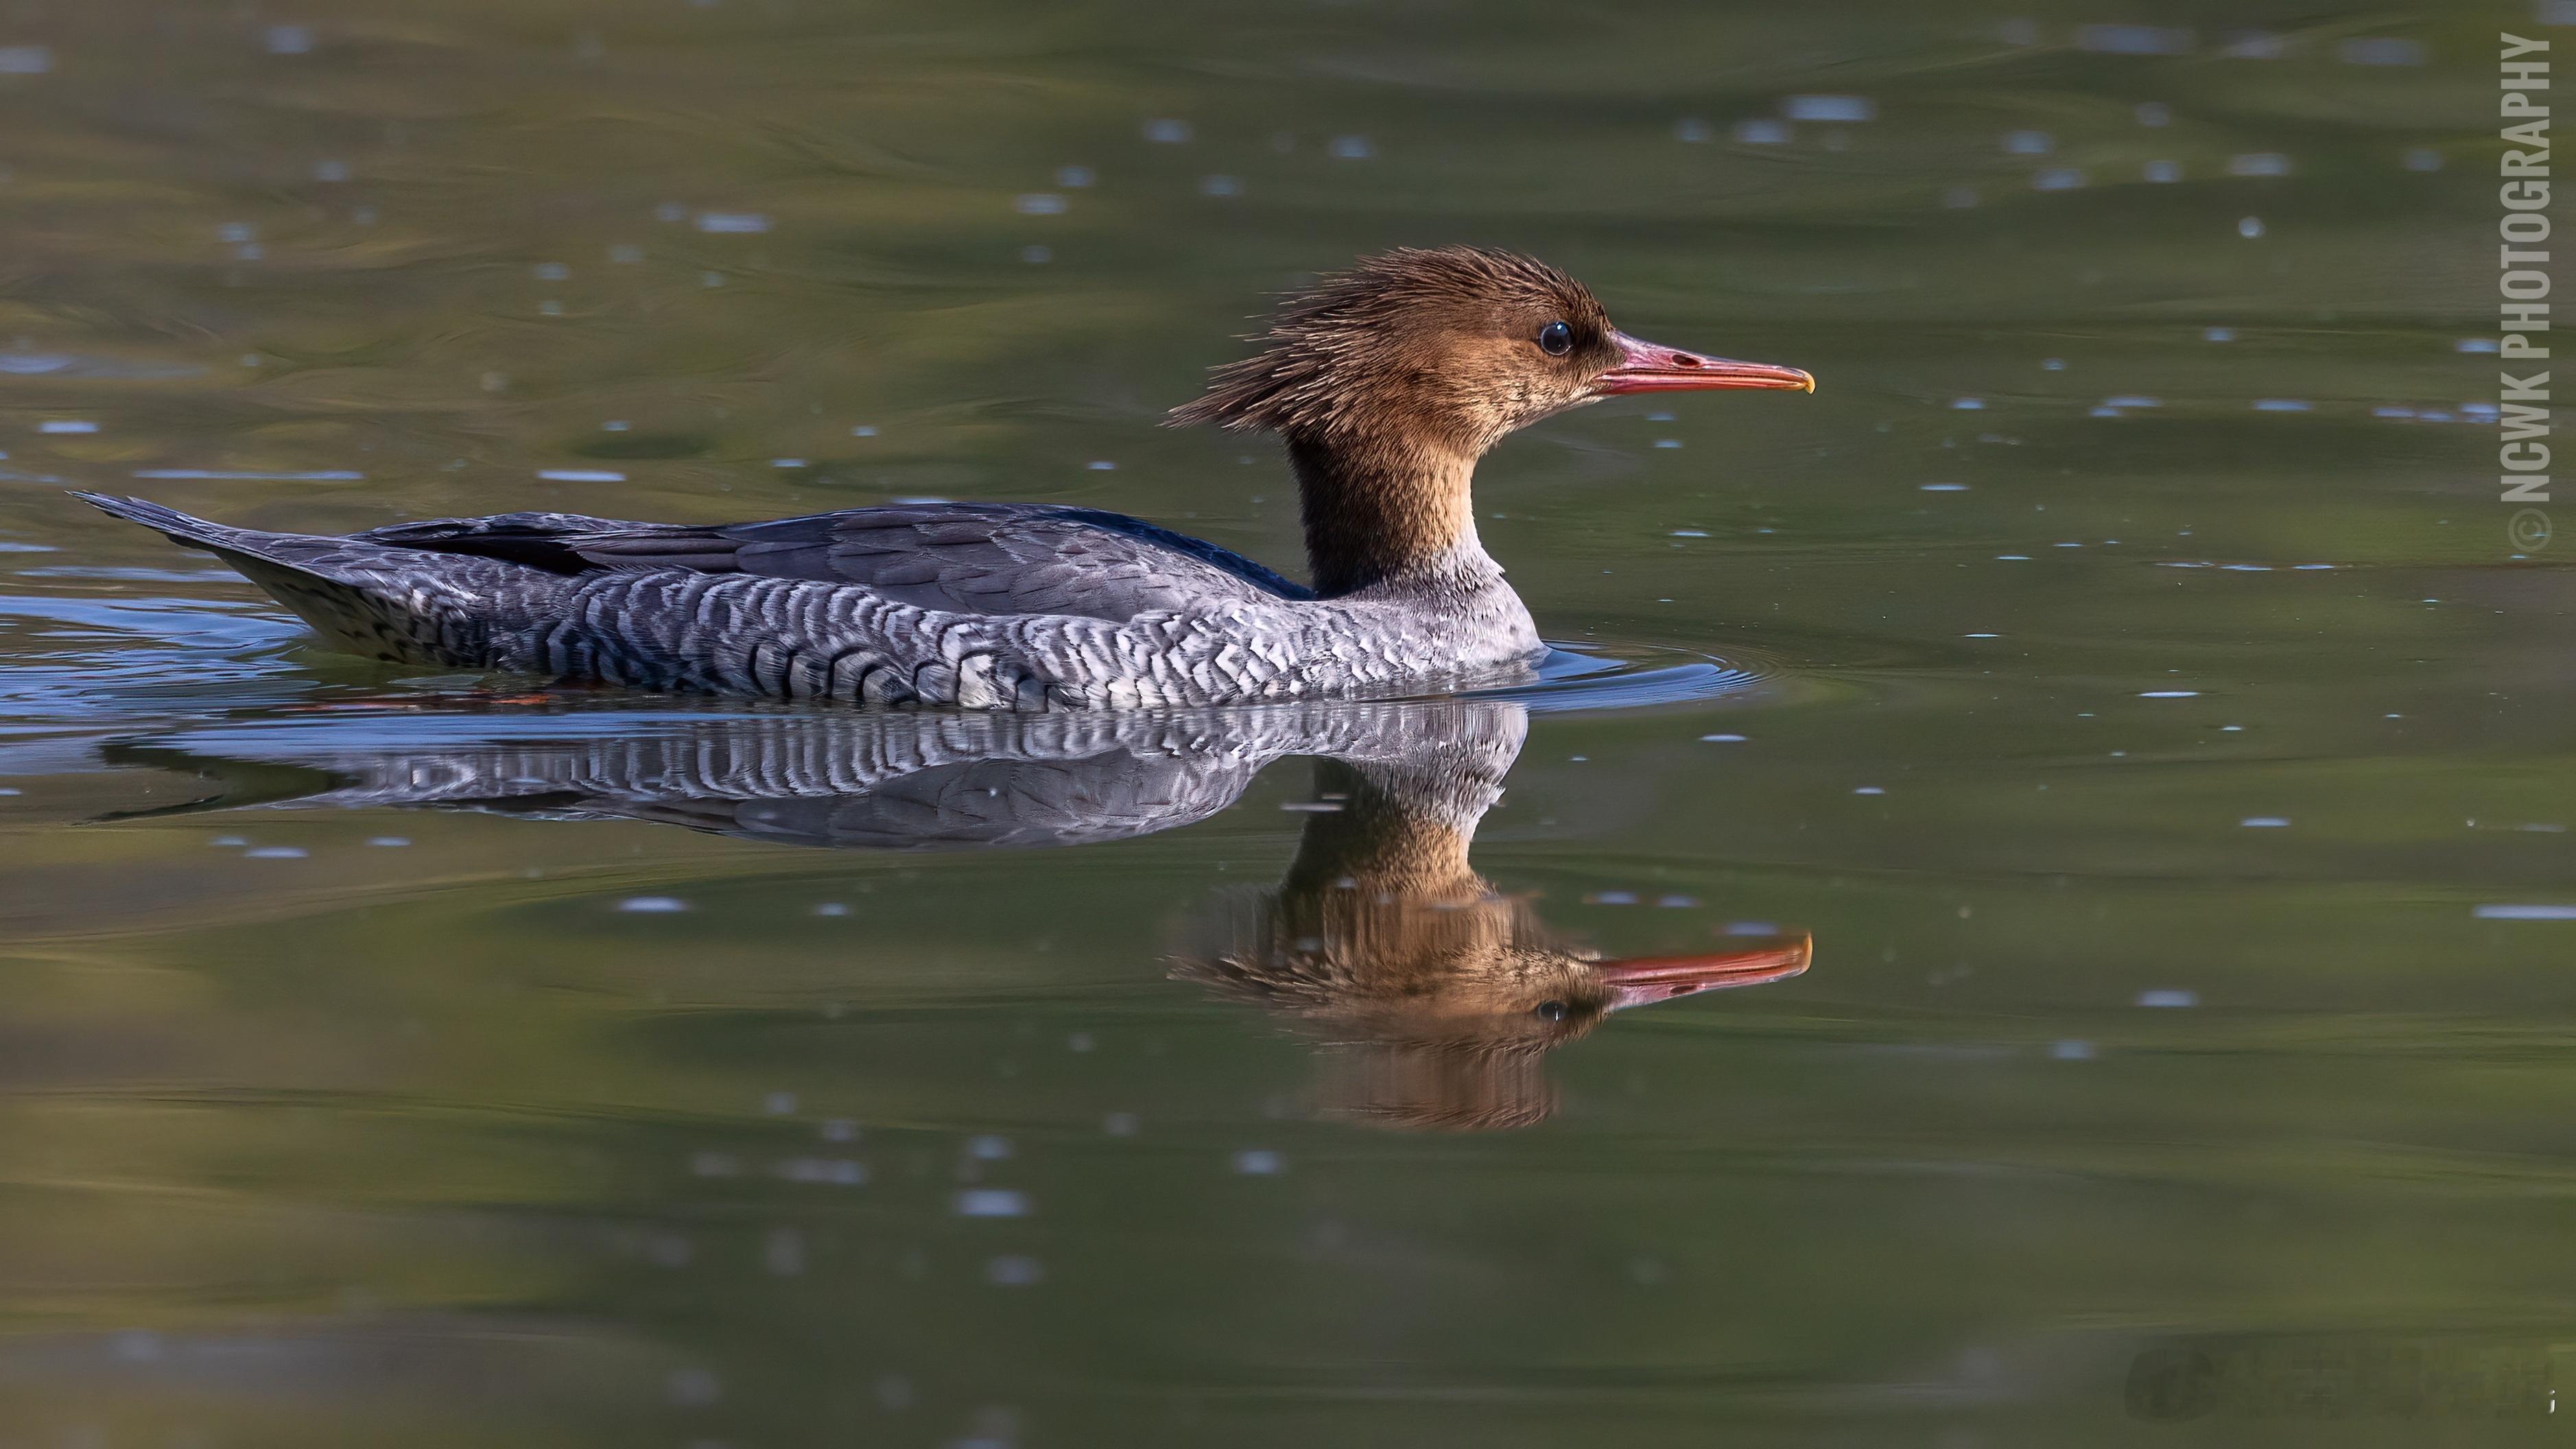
x: 1387, y: 382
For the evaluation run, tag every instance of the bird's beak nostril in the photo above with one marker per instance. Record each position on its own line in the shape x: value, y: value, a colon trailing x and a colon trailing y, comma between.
x: 1654, y: 367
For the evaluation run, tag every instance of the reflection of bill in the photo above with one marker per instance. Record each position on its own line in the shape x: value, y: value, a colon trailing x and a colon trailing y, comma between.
x: 1436, y: 996
x: 2347, y: 1376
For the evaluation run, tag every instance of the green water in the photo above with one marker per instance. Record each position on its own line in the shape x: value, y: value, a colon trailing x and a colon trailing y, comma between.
x: 2105, y: 1113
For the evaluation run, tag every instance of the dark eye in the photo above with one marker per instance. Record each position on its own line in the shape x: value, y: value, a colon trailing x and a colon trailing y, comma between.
x: 1556, y: 339
x: 1552, y: 1010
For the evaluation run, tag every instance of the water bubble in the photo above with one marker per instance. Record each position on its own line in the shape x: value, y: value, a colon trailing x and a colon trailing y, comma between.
x: 1220, y: 186
x: 1037, y: 256
x: 732, y: 223
x: 2525, y: 913
x: 1074, y: 178
x: 2254, y: 45
x: 2264, y: 822
x: 1168, y: 133
x: 2028, y: 143
x: 2162, y: 172
x: 2153, y: 113
x: 1761, y: 131
x: 25, y: 59
x: 1039, y: 203
x: 1013, y: 1271
x: 2169, y: 1000
x: 1829, y: 108
x: 2250, y: 227
x: 2259, y: 163
x: 2380, y: 50
x: 991, y: 1202
x: 580, y: 475
x: 2057, y: 178
x: 290, y: 40
x: 2134, y: 39
x: 694, y: 1388
x: 1352, y: 148
x: 1259, y: 1162
x: 276, y: 852
x: 1694, y: 130
x: 783, y: 1253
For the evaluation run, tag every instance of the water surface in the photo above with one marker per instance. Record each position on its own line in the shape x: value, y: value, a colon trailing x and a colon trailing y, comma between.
x: 2116, y: 687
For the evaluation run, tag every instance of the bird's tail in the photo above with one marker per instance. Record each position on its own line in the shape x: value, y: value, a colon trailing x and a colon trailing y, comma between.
x: 395, y: 604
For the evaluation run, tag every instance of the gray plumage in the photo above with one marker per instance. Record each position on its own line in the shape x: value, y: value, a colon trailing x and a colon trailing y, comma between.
x: 879, y: 781
x: 976, y: 606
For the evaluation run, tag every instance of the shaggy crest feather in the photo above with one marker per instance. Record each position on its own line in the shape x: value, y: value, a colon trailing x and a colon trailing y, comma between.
x: 1350, y: 350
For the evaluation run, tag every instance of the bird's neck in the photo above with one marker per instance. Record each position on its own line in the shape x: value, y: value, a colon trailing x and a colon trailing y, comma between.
x: 1389, y: 513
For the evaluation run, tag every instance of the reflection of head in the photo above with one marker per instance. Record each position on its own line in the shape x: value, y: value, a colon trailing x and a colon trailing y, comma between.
x: 1438, y: 996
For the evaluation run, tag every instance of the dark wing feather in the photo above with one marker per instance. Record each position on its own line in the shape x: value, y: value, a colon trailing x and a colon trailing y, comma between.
x: 989, y: 558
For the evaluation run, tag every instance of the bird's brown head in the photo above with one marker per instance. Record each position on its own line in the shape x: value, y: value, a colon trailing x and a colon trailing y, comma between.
x: 1451, y: 349
x: 1389, y: 380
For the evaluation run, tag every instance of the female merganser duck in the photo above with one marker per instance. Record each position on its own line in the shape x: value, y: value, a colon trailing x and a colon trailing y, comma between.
x: 1387, y: 381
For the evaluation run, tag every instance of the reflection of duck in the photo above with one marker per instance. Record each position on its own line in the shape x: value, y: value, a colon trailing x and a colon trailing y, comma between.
x: 1439, y: 995
x: 1387, y: 383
